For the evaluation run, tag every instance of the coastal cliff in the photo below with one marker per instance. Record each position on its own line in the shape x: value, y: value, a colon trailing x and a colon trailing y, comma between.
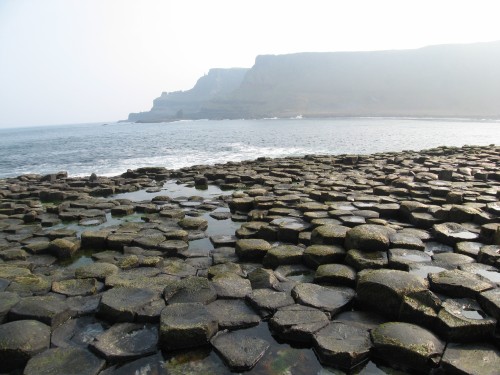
x: 442, y: 81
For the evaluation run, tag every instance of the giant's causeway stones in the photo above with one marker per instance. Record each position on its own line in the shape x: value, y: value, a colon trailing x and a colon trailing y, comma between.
x: 314, y: 264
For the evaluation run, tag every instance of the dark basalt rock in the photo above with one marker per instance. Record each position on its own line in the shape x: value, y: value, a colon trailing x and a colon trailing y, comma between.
x: 231, y: 285
x: 329, y: 235
x: 401, y: 258
x: 239, y: 350
x: 407, y: 346
x: 126, y: 341
x: 188, y: 290
x: 490, y: 302
x: 77, y: 332
x: 143, y: 366
x: 462, y: 320
x: 50, y: 310
x: 316, y: 255
x: 64, y: 361
x: 479, y: 358
x: 283, y: 254
x: 252, y: 249
x: 456, y: 283
x: 328, y: 299
x: 21, y: 340
x: 335, y: 274
x: 342, y: 345
x: 389, y: 286
x: 186, y: 325
x: 298, y: 323
x: 124, y: 304
x: 369, y: 238
x: 361, y: 260
x: 233, y: 314
x: 7, y: 301
x: 452, y: 233
x: 267, y: 301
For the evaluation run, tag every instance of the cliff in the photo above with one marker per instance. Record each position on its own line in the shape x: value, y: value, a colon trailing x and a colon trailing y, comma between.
x: 218, y: 83
x: 445, y: 80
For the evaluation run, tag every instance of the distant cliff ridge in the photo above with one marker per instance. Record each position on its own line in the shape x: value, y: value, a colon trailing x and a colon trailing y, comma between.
x: 442, y: 81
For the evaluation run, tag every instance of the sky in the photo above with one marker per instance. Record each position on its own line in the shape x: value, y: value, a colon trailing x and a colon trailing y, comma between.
x: 78, y: 61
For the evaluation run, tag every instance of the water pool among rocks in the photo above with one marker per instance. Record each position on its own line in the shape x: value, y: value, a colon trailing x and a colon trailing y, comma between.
x: 374, y: 264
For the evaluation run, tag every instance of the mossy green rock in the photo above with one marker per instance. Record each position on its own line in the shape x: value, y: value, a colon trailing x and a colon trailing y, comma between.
x: 98, y: 270
x: 21, y: 340
x: 329, y: 235
x: 361, y: 260
x: 407, y: 346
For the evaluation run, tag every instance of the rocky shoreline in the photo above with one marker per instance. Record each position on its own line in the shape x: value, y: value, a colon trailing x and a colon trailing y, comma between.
x: 352, y: 263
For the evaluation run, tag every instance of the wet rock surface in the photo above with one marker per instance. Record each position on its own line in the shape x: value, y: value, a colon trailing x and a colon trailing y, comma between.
x: 144, y: 272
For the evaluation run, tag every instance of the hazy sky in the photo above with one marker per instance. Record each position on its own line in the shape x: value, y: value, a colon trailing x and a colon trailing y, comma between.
x: 73, y: 61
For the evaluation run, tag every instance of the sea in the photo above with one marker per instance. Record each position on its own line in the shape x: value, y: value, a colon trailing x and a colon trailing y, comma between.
x: 110, y: 149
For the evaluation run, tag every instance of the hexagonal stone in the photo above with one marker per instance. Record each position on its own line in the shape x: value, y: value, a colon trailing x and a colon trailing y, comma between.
x: 451, y: 233
x: 283, y: 254
x: 188, y: 290
x: 407, y: 346
x: 389, y: 286
x: 94, y: 239
x: 252, y: 249
x: 126, y: 341
x: 452, y: 259
x: 328, y: 299
x: 186, y: 325
x: 490, y: 302
x: 193, y: 223
x: 76, y: 287
x: 402, y: 258
x: 223, y: 240
x: 143, y: 366
x: 462, y: 320
x: 316, y: 255
x: 456, y: 283
x: 342, y: 345
x: 173, y: 213
x: 122, y: 210
x: 21, y: 340
x: 7, y: 301
x: 117, y: 241
x: 77, y: 332
x: 369, y: 237
x: 297, y: 322
x: 489, y: 255
x: 179, y: 268
x: 62, y: 248
x: 478, y: 358
x: 64, y: 361
x: 406, y: 241
x: 231, y: 285
x: 30, y: 285
x: 468, y: 248
x: 10, y: 272
x: 240, y: 350
x: 49, y: 310
x: 336, y: 274
x: 363, y: 319
x: 267, y: 301
x: 123, y: 304
x: 98, y: 270
x: 173, y: 247
x: 329, y: 235
x: 233, y: 314
x: 361, y: 260
x: 422, y: 307
x: 262, y: 278
x: 223, y: 268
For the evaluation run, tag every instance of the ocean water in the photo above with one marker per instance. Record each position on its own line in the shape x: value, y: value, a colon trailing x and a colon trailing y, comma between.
x: 111, y: 149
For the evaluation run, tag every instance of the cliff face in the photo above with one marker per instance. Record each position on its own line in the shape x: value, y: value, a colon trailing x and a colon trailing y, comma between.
x: 447, y: 80
x: 218, y: 83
